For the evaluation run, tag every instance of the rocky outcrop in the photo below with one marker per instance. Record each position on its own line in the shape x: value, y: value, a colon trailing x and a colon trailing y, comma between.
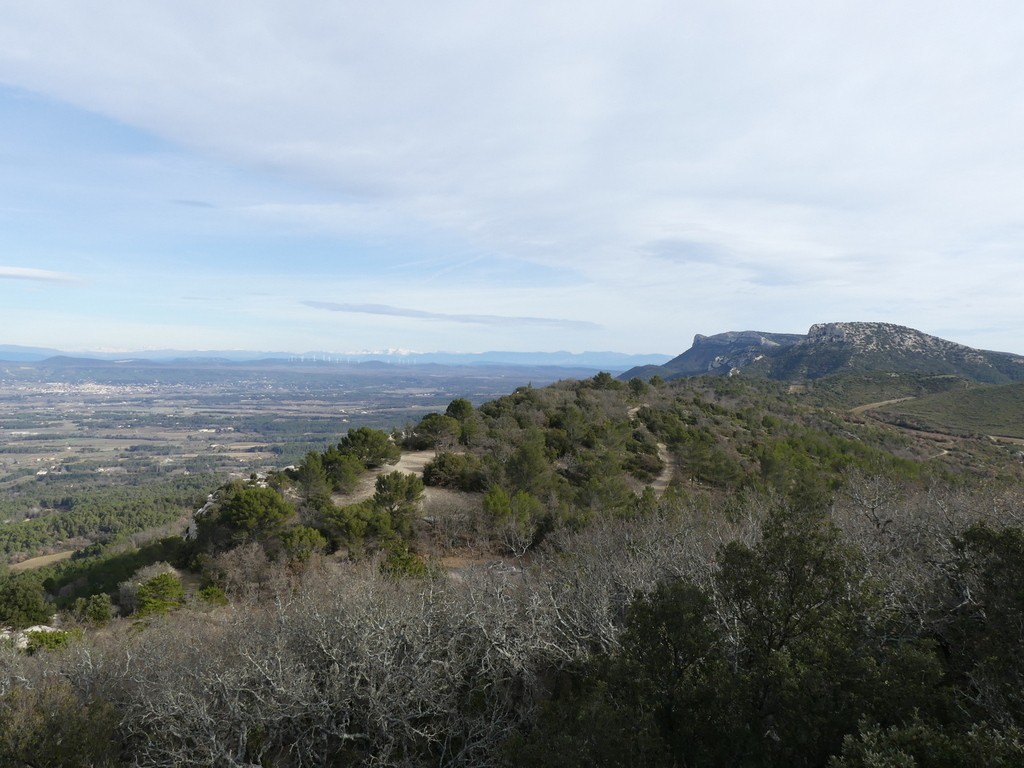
x: 879, y: 337
x: 719, y: 354
x: 830, y: 348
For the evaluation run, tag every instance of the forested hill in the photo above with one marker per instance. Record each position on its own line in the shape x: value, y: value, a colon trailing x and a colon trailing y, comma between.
x: 586, y: 448
x: 832, y: 349
x: 711, y: 571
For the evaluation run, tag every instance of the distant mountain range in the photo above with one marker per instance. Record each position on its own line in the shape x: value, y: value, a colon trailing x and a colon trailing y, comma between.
x: 606, y: 361
x: 834, y: 348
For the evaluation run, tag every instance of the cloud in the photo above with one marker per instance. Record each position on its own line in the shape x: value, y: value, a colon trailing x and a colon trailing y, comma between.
x: 431, y: 116
x: 38, y: 275
x: 497, y: 320
x: 695, y: 166
x: 686, y: 251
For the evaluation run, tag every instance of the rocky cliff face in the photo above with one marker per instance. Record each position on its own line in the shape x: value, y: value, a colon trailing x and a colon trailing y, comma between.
x: 830, y: 348
x: 726, y: 352
x: 887, y: 337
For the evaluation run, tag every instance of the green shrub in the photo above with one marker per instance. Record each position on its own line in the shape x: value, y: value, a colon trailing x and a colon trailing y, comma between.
x: 301, y: 543
x: 94, y: 610
x: 213, y: 594
x: 23, y: 602
x: 399, y: 562
x: 45, y: 640
x: 160, y: 595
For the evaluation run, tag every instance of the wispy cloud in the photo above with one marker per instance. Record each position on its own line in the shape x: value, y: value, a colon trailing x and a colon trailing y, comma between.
x: 384, y: 309
x: 37, y: 275
x: 686, y: 166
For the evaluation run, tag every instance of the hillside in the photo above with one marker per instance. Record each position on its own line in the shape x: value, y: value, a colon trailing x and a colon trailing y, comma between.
x: 836, y: 348
x: 708, y: 571
x: 985, y: 410
x: 718, y: 354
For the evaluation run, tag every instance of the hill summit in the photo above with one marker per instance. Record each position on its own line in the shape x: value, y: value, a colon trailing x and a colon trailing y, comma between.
x: 834, y: 348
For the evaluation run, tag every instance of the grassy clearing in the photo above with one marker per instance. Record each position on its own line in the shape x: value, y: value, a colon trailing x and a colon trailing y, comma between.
x: 855, y: 389
x: 39, y: 562
x: 997, y: 410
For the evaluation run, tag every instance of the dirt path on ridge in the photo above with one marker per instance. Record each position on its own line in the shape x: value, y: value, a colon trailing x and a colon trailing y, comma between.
x: 660, y: 484
x: 411, y: 462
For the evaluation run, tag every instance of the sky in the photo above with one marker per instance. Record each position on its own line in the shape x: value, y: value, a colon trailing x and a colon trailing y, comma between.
x: 528, y: 176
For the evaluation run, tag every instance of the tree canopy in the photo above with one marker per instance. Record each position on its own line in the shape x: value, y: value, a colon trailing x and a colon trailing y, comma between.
x: 373, y: 447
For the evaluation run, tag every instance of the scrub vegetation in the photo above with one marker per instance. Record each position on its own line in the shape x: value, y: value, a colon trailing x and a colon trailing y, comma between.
x: 704, y: 572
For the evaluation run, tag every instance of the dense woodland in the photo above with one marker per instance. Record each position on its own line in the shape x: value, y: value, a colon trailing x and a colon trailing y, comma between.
x: 708, y: 572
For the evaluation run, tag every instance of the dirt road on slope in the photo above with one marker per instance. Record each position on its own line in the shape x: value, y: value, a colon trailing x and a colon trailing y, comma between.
x: 868, y: 406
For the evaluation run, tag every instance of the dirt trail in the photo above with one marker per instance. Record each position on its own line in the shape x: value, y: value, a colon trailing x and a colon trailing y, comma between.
x: 868, y: 406
x: 938, y: 437
x: 411, y: 462
x: 1005, y: 439
x: 414, y: 462
x: 660, y: 484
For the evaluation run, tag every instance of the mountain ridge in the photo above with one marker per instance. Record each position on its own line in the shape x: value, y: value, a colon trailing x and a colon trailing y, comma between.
x: 597, y: 360
x: 833, y: 348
